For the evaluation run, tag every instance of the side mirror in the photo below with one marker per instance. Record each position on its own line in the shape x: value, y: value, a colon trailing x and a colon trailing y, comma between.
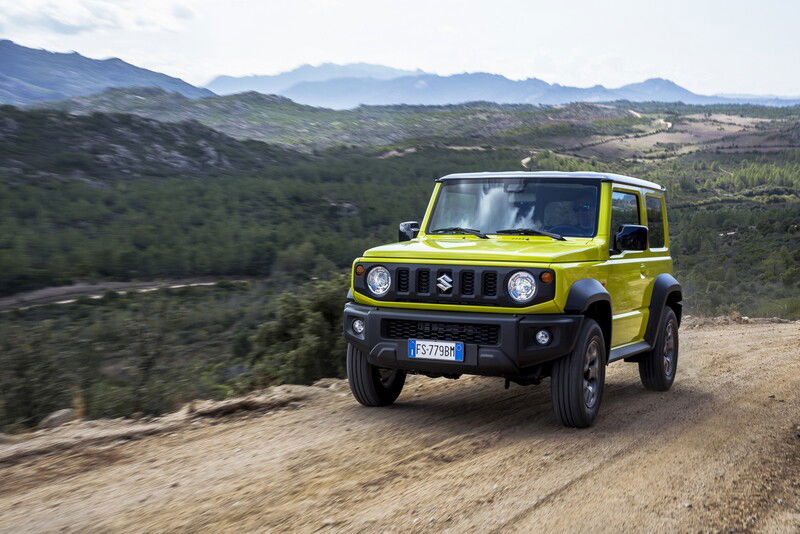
x: 408, y: 230
x: 630, y: 237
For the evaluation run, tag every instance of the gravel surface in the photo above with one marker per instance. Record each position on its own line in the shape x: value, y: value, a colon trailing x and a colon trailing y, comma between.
x: 720, y: 451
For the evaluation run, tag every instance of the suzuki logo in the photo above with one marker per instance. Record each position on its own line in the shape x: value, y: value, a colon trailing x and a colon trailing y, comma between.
x: 445, y: 283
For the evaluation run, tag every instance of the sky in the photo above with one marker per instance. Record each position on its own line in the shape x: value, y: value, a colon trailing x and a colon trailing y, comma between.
x: 708, y: 46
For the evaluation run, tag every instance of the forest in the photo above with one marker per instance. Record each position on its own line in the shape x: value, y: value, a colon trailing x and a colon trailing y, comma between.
x: 93, y: 204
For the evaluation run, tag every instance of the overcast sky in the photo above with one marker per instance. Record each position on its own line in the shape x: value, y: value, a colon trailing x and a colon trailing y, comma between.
x: 711, y: 46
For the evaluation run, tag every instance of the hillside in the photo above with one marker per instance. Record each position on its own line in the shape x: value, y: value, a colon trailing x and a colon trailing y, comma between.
x: 276, y: 119
x: 733, y: 183
x: 29, y: 75
x: 105, y: 146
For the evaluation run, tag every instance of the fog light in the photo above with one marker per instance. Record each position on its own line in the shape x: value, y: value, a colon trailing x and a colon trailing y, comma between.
x: 543, y: 337
x: 358, y: 326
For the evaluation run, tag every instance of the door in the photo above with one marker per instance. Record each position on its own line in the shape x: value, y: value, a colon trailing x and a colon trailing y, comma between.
x: 627, y: 272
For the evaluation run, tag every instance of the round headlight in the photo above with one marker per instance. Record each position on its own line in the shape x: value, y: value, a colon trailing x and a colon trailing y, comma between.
x: 522, y: 286
x: 379, y: 280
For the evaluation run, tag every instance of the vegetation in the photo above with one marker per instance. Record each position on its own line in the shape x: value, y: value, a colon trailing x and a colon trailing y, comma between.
x: 149, y: 353
x: 119, y: 197
x: 276, y: 119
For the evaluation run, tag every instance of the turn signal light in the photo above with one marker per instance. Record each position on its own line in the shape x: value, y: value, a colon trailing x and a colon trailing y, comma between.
x: 546, y: 277
x: 359, y: 270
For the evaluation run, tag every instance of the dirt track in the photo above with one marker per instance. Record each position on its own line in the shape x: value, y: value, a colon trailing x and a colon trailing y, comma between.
x: 718, y: 451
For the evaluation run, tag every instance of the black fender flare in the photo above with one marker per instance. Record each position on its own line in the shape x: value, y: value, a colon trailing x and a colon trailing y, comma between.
x: 665, y: 288
x: 582, y: 295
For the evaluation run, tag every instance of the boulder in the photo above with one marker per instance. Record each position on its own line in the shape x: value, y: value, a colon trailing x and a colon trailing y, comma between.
x: 58, y: 418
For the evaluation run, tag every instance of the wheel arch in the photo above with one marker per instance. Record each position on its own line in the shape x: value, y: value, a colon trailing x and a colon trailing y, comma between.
x: 589, y: 298
x: 667, y: 292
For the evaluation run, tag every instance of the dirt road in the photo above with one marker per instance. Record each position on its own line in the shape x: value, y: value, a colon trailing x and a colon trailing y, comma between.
x: 70, y: 293
x: 719, y: 451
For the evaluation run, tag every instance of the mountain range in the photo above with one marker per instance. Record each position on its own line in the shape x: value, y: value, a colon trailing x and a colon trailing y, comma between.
x: 279, y: 83
x: 30, y: 75
x: 431, y: 89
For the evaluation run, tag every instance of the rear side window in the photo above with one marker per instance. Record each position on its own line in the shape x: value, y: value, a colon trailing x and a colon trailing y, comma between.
x: 655, y: 222
x: 624, y: 210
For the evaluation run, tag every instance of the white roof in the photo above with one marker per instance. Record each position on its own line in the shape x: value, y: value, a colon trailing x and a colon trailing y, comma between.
x: 603, y: 176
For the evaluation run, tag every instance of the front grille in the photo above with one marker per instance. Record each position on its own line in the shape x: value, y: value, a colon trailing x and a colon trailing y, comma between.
x: 465, y: 285
x: 468, y: 283
x: 423, y: 281
x: 479, y: 334
x: 490, y: 283
x: 402, y: 280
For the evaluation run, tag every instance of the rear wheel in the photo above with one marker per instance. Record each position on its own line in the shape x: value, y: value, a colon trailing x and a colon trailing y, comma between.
x: 657, y: 367
x: 371, y: 385
x: 578, y: 379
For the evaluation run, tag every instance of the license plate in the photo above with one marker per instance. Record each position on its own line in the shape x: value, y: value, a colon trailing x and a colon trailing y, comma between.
x: 436, y: 350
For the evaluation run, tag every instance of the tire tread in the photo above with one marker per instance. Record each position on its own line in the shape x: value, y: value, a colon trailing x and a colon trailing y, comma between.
x: 566, y: 381
x: 363, y: 384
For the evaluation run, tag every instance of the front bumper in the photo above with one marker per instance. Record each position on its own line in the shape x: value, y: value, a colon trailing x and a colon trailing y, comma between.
x: 513, y: 351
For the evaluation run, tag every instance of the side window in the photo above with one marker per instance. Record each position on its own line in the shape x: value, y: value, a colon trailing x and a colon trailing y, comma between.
x: 624, y: 210
x: 655, y: 222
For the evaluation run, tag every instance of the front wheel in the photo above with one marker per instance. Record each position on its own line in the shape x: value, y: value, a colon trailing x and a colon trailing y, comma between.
x: 657, y: 367
x: 371, y: 385
x: 578, y: 379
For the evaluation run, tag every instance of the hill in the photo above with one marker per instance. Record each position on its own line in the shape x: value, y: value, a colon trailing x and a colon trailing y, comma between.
x: 277, y: 119
x: 30, y: 75
x: 102, y: 147
x: 278, y: 83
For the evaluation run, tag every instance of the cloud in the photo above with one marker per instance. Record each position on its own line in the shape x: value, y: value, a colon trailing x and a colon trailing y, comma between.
x: 70, y: 17
x: 182, y: 12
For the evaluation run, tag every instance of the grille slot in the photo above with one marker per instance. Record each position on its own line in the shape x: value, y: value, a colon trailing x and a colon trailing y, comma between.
x: 479, y: 334
x: 468, y: 283
x: 402, y: 280
x: 423, y: 281
x: 490, y: 284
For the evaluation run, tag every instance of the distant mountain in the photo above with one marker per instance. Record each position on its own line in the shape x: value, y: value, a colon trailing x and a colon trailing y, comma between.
x: 431, y: 89
x: 29, y: 75
x: 348, y: 86
x: 278, y: 83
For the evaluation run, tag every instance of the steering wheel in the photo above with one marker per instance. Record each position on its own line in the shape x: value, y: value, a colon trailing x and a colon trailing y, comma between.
x: 565, y: 229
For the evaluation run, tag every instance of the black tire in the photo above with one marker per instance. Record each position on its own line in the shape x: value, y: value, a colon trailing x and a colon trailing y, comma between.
x: 657, y: 368
x: 578, y: 379
x: 371, y: 385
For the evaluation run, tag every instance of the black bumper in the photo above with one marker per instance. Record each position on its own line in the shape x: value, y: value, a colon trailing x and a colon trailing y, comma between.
x: 494, y: 344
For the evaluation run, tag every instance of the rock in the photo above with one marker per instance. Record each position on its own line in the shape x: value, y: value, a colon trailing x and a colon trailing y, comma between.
x: 58, y: 418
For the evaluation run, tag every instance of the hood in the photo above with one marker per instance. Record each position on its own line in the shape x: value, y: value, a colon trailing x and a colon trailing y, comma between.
x: 507, y: 248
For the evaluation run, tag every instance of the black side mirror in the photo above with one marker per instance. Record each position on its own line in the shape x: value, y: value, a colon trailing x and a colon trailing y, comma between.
x: 408, y: 230
x: 630, y: 237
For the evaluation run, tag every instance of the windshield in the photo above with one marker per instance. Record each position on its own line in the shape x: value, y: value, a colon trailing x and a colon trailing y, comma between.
x: 562, y: 207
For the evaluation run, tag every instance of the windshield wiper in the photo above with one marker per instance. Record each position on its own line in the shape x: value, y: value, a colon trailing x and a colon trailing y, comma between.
x: 459, y: 230
x: 529, y: 231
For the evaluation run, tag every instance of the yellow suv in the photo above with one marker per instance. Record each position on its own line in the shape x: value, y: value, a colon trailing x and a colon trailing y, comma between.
x: 520, y: 275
